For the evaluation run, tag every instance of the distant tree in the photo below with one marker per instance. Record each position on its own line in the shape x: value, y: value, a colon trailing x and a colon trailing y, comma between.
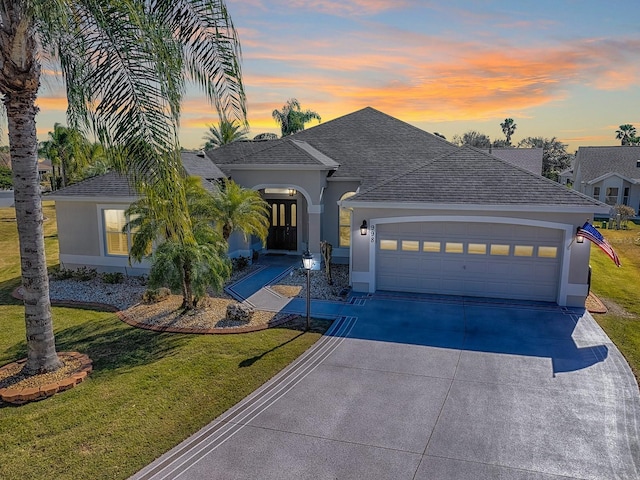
x: 626, y: 133
x: 508, y: 128
x: 501, y: 143
x: 65, y: 148
x: 473, y: 139
x: 439, y: 135
x: 226, y: 132
x: 292, y: 119
x: 555, y: 157
x: 5, y: 178
x: 265, y: 136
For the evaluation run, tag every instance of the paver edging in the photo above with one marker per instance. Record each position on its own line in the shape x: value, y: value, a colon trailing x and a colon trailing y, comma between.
x: 20, y: 396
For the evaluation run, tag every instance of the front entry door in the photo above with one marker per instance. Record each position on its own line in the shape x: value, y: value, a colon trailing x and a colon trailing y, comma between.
x: 283, y: 230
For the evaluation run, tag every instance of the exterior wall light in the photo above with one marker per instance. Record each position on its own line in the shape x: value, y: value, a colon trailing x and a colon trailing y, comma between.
x: 292, y: 192
x: 363, y: 228
x: 579, y: 236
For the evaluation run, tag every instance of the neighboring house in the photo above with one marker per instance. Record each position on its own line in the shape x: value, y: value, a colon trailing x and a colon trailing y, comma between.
x: 528, y: 158
x: 435, y: 218
x: 609, y: 174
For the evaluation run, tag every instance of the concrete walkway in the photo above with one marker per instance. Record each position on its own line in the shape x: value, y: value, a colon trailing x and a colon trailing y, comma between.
x: 416, y: 387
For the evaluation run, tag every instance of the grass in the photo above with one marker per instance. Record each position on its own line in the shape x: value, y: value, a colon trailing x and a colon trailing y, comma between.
x: 148, y: 391
x: 618, y: 287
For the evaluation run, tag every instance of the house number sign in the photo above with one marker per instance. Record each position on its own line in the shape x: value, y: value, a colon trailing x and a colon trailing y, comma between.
x: 372, y: 229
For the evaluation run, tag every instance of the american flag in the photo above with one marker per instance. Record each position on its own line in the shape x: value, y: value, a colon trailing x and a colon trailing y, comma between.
x: 589, y: 232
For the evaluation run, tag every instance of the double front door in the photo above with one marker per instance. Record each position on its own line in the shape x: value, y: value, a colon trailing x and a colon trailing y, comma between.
x: 283, y: 230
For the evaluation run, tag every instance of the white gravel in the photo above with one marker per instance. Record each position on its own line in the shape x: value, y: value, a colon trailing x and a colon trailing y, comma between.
x: 128, y: 293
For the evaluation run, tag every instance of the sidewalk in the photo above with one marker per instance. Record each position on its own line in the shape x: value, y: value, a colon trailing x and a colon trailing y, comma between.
x: 253, y: 289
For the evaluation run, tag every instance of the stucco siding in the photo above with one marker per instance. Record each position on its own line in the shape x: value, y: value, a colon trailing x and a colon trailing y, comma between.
x: 78, y: 231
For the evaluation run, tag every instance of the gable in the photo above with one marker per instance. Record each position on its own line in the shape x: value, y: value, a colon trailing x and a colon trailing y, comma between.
x: 595, y: 162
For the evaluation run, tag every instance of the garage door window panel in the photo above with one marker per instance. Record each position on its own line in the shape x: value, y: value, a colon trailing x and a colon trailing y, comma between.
x: 547, y: 252
x: 410, y: 246
x: 433, y: 247
x: 389, y: 245
x: 477, y: 249
x: 523, y: 250
x: 499, y: 249
x: 454, y: 247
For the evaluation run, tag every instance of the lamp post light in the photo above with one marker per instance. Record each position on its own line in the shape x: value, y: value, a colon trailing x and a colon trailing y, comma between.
x: 307, y: 263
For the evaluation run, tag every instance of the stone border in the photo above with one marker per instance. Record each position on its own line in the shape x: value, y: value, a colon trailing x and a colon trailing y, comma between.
x: 20, y: 396
x: 596, y: 304
x: 122, y: 315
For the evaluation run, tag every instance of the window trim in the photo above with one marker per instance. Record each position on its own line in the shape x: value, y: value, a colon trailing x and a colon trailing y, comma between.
x: 103, y: 231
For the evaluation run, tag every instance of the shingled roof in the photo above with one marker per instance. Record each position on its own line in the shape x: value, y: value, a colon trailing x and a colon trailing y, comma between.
x: 594, y: 162
x: 367, y: 144
x: 469, y: 176
x: 110, y: 184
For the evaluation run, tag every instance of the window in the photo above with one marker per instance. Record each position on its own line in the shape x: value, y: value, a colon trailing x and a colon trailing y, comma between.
x: 410, y: 245
x: 625, y: 196
x: 431, y: 247
x: 612, y: 196
x: 116, y: 242
x: 454, y: 247
x: 388, y: 244
x: 596, y: 193
x: 344, y: 223
x: 523, y: 251
x: 477, y: 249
x: 547, y: 252
x: 498, y: 249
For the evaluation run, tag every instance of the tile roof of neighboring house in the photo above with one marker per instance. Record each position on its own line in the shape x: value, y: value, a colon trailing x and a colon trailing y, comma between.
x: 470, y: 176
x: 367, y: 144
x: 527, y: 158
x: 110, y: 184
x: 594, y: 162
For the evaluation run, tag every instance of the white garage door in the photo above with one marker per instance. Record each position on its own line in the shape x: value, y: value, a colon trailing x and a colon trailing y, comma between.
x: 475, y: 259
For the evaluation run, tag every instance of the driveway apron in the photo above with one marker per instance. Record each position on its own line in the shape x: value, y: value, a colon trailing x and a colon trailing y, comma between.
x: 418, y: 387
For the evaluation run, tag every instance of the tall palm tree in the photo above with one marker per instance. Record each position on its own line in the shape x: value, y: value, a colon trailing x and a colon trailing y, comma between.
x: 124, y: 65
x: 226, y: 132
x: 508, y: 128
x: 626, y: 134
x: 291, y: 118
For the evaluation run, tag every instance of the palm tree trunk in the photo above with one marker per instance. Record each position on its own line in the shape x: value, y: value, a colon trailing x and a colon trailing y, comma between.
x: 21, y: 112
x: 187, y: 291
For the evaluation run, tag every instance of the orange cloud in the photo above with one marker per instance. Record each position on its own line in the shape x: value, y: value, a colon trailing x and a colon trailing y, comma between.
x: 52, y: 103
x: 349, y: 7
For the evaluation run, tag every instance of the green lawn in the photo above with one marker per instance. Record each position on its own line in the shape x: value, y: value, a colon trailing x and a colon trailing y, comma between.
x: 147, y: 392
x: 620, y: 285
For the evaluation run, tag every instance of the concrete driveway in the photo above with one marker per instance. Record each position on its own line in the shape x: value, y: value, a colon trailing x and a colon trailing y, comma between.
x: 433, y: 388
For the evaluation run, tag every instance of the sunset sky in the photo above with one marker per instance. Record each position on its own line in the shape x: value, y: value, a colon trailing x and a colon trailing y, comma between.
x: 564, y: 68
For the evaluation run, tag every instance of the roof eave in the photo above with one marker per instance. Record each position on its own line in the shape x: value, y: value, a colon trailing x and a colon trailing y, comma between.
x: 555, y: 208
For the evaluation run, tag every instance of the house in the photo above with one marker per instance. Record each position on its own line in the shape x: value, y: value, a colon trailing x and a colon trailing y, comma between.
x: 609, y: 174
x: 405, y: 209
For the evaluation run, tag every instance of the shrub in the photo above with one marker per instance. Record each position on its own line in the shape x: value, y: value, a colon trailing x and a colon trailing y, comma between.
x: 155, y: 295
x: 59, y: 273
x: 85, y: 274
x: 240, y: 263
x: 112, y: 277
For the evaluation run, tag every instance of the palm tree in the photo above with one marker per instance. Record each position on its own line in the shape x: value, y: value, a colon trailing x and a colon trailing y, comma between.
x: 124, y: 65
x: 66, y: 150
x: 626, y: 134
x: 189, y: 265
x: 226, y: 132
x: 291, y: 118
x: 508, y: 128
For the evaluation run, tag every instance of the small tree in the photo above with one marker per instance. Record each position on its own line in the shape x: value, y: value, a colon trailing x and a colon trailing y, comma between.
x: 625, y: 212
x: 626, y: 133
x: 5, y: 178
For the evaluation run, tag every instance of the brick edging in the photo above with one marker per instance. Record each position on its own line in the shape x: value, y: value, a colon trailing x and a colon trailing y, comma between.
x: 20, y: 396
